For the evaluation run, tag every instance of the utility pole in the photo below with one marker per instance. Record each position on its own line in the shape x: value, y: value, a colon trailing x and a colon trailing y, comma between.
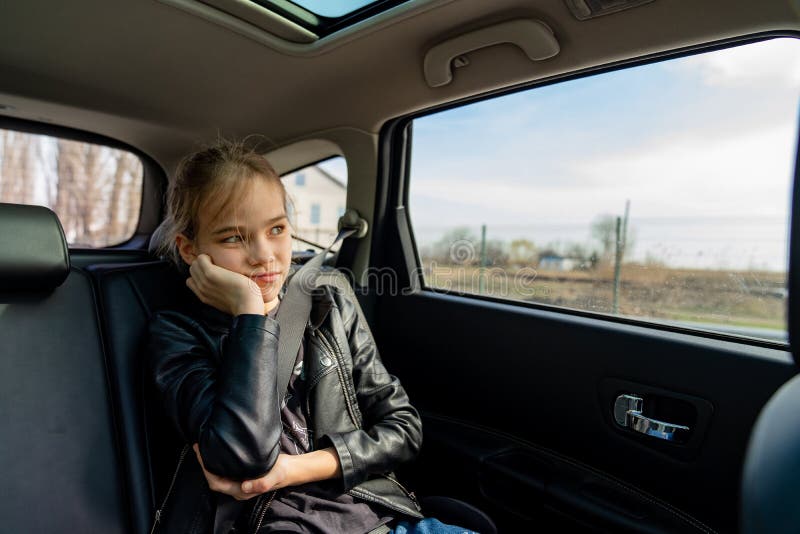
x: 625, y: 227
x: 617, y: 261
x: 482, y: 277
x: 621, y: 244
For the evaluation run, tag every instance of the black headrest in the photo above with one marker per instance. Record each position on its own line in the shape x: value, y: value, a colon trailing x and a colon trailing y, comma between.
x: 33, y: 250
x: 770, y: 481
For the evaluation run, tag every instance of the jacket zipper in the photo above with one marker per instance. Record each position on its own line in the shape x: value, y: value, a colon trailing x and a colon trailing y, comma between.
x: 255, y: 511
x: 409, y: 494
x: 169, y: 490
x: 264, y: 512
x: 383, y: 502
x: 339, y: 368
x: 339, y: 361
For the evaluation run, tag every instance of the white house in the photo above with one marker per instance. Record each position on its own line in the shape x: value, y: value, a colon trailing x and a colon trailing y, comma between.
x: 319, y: 200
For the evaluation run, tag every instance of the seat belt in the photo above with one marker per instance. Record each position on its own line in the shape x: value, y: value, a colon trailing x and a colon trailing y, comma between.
x: 295, y: 310
x: 347, y: 252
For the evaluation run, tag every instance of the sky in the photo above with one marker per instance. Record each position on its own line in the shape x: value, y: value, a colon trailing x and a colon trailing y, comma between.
x: 703, y: 148
x: 336, y: 167
x: 332, y: 8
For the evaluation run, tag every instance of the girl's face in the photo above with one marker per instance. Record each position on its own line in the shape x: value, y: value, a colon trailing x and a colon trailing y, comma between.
x: 251, y: 237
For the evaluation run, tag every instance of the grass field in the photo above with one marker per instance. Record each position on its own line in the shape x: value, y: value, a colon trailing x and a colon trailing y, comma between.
x: 734, y: 298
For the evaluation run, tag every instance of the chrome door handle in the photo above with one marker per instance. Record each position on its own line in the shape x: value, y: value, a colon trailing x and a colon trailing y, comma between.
x: 628, y: 414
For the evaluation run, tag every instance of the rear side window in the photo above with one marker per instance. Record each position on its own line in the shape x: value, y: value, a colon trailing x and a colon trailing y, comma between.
x: 318, y: 195
x: 95, y: 190
x: 658, y: 192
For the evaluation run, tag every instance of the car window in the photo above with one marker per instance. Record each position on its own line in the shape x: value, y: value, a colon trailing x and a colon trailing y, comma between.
x: 95, y: 190
x: 318, y: 195
x: 657, y: 192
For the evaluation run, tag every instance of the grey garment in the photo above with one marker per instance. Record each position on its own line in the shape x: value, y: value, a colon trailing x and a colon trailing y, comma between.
x: 321, y: 508
x: 316, y: 507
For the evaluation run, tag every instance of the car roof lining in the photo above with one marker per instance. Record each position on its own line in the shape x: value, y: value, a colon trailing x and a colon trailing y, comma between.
x: 166, y: 79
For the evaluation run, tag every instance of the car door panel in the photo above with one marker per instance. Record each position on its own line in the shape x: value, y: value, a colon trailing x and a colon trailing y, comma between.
x: 546, y: 379
x: 537, y: 487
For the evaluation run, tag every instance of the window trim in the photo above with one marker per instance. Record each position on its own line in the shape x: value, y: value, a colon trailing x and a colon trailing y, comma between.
x: 286, y: 174
x: 154, y: 178
x: 394, y: 176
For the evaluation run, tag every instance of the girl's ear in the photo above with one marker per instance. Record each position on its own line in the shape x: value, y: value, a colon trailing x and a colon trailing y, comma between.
x: 186, y: 248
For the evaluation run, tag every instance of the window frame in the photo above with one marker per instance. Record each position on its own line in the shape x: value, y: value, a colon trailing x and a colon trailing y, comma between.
x: 154, y: 178
x: 323, y: 26
x: 396, y: 146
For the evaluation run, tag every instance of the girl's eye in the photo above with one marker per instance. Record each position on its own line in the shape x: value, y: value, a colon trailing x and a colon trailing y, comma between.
x: 277, y: 230
x: 232, y: 239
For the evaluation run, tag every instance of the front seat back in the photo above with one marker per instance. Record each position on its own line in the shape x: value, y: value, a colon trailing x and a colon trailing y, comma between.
x: 57, y: 452
x: 771, y: 478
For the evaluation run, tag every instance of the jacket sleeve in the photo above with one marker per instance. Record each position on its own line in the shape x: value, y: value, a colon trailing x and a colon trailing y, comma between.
x: 391, y: 431
x: 226, y: 404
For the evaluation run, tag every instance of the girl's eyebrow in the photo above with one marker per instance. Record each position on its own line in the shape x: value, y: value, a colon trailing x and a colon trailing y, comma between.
x: 242, y: 229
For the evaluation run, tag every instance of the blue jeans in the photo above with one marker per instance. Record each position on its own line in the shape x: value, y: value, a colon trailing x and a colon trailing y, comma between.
x: 429, y: 525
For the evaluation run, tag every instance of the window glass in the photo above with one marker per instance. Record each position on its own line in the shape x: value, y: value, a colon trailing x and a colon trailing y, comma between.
x: 324, y: 17
x: 657, y: 192
x: 95, y: 190
x: 332, y: 8
x: 315, y: 200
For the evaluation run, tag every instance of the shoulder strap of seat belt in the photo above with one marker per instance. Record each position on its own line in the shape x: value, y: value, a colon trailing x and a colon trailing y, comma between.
x: 295, y: 310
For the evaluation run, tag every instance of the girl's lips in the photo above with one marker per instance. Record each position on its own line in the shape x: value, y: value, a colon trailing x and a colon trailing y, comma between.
x: 267, y: 278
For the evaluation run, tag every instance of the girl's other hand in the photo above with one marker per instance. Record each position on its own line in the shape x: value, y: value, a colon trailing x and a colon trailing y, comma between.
x: 297, y: 469
x: 228, y: 291
x: 220, y: 484
x: 278, y: 477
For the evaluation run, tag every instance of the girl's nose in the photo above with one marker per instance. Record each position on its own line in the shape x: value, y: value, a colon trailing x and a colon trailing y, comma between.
x: 261, y: 250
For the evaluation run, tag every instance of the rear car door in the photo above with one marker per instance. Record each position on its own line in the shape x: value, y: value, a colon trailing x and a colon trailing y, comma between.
x: 583, y: 286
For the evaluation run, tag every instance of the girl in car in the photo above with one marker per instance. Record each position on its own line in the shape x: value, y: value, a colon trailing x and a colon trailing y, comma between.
x: 317, y: 457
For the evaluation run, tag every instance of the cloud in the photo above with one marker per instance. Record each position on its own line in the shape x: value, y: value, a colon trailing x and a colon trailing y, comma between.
x: 773, y: 63
x: 690, y: 175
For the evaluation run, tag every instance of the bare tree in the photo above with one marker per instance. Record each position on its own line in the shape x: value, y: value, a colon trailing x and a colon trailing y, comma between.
x: 94, y: 189
x: 523, y: 252
x: 604, y: 230
x: 124, y: 204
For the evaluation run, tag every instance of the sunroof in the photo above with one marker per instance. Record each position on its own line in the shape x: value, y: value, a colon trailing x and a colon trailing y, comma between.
x: 323, y: 17
x: 332, y: 8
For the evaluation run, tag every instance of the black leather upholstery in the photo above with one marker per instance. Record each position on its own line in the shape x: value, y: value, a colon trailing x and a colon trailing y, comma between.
x: 33, y: 251
x: 58, y: 456
x: 771, y: 478
x: 128, y: 294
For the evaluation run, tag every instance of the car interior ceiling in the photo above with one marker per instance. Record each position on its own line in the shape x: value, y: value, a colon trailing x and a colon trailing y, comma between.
x: 158, y: 79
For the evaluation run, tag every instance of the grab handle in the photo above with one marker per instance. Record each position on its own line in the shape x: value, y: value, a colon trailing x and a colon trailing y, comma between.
x: 534, y: 37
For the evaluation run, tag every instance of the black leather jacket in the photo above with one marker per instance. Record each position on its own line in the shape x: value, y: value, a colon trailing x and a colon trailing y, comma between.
x: 217, y: 378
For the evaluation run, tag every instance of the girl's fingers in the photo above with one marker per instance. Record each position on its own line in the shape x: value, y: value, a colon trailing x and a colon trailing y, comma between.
x: 191, y: 284
x: 196, y: 448
x: 198, y: 271
x: 259, y: 485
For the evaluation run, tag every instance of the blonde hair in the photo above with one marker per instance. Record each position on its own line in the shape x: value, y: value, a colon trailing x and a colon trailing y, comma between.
x: 210, y: 176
